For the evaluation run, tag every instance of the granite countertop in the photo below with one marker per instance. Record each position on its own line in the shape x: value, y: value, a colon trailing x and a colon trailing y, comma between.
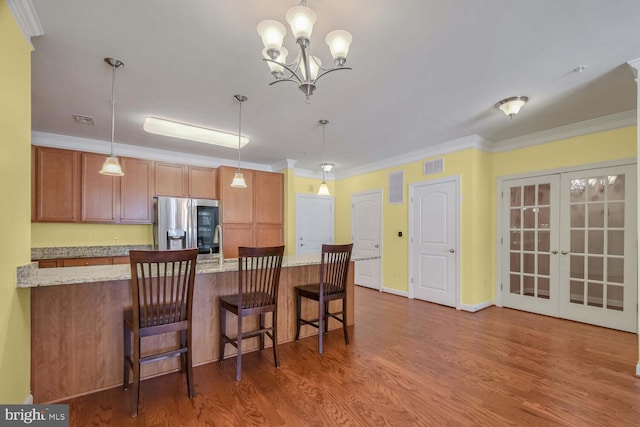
x: 84, y: 251
x: 30, y: 276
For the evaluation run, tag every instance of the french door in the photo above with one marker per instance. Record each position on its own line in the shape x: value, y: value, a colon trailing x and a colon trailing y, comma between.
x: 569, y: 246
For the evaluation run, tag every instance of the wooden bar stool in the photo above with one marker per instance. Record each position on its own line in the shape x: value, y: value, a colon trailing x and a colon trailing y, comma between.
x: 162, y: 290
x: 258, y: 281
x: 334, y: 267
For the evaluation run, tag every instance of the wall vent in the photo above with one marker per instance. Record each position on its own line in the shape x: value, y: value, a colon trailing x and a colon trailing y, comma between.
x: 396, y: 187
x: 434, y: 166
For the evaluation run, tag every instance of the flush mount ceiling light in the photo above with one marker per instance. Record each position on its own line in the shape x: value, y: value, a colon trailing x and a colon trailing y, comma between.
x: 324, y: 189
x: 306, y: 69
x: 192, y: 133
x: 511, y: 106
x: 111, y: 165
x: 238, y: 178
x: 326, y: 166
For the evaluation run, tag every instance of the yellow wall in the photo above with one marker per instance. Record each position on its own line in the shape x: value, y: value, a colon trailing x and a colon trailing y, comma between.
x: 473, y: 169
x: 15, y: 211
x: 44, y: 235
x: 478, y: 172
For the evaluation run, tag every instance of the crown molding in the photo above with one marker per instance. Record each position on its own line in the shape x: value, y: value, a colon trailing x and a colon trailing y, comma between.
x: 26, y: 17
x: 308, y: 173
x: 471, y: 141
x: 95, y: 146
x: 600, y: 124
x: 283, y: 165
x: 635, y: 66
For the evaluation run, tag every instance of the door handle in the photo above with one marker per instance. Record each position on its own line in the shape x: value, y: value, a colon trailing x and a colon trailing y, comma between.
x: 554, y: 252
x: 301, y: 244
x: 564, y: 252
x: 452, y: 250
x: 376, y: 246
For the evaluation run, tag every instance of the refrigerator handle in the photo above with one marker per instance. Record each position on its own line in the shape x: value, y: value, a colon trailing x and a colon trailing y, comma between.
x: 192, y: 226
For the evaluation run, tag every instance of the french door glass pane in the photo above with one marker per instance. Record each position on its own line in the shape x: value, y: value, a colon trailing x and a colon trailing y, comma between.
x: 596, y: 269
x: 529, y: 247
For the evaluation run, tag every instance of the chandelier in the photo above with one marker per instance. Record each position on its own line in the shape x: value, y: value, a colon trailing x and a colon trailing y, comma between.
x: 306, y: 69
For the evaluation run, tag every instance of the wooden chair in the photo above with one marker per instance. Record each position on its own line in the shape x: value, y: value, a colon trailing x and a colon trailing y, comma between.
x: 258, y: 281
x: 162, y: 290
x: 334, y: 266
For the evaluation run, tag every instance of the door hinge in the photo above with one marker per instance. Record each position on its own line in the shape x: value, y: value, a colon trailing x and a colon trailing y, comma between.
x: 412, y: 280
x: 353, y: 205
x: 501, y: 240
x: 500, y: 286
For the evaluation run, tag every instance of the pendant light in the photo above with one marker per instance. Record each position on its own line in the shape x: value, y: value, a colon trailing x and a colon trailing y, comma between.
x: 238, y: 178
x: 324, y: 189
x: 111, y: 165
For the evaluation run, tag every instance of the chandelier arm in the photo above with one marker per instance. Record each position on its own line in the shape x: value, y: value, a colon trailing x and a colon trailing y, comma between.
x: 284, y: 80
x: 293, y: 73
x: 330, y: 70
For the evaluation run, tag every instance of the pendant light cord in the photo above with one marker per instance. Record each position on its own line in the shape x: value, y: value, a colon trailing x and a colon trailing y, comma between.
x: 239, y: 133
x: 113, y: 106
x: 323, y: 150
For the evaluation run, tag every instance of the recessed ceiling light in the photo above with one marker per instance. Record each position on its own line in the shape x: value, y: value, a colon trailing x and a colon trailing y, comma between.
x: 85, y: 120
x: 193, y: 133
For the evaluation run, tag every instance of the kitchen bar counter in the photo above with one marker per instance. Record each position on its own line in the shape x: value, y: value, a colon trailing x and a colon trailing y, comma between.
x: 76, y: 322
x: 31, y: 276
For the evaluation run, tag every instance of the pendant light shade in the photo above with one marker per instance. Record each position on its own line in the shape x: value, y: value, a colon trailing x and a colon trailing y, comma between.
x: 324, y: 189
x: 111, y: 165
x: 238, y: 178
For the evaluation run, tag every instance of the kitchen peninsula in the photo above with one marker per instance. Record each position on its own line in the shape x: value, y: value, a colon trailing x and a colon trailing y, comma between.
x: 76, y: 321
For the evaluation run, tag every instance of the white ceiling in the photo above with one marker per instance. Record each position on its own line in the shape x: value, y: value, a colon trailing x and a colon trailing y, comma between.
x: 425, y: 72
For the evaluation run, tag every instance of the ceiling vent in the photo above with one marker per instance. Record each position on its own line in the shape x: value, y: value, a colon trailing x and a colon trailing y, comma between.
x: 434, y: 166
x: 85, y: 120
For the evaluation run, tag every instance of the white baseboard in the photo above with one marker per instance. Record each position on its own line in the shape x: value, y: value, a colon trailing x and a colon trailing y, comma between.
x: 477, y: 307
x: 28, y: 400
x: 395, y: 292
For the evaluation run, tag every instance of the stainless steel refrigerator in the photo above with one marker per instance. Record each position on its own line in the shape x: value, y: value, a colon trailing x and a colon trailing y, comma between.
x: 180, y: 223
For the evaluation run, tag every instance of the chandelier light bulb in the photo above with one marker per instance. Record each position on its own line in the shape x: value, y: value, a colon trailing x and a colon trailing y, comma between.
x: 339, y: 42
x: 272, y: 33
x: 301, y: 20
x: 276, y: 69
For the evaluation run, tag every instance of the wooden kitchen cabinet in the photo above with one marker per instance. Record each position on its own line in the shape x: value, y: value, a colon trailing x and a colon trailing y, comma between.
x: 203, y: 183
x: 171, y: 180
x: 57, y: 185
x: 269, y: 235
x: 269, y: 197
x: 100, y: 193
x: 236, y: 235
x: 136, y: 191
x: 252, y: 216
x: 237, y: 203
x: 82, y: 262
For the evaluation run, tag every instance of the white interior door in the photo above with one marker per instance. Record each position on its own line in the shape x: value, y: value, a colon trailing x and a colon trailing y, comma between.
x: 434, y: 241
x: 569, y: 246
x: 598, y: 247
x: 366, y: 234
x: 314, y: 223
x: 530, y: 243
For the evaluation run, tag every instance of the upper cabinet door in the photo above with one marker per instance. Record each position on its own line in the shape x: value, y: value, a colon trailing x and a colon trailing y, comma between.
x: 203, y: 182
x: 236, y: 203
x: 136, y: 191
x: 58, y: 185
x: 269, y: 197
x: 171, y: 180
x: 100, y: 193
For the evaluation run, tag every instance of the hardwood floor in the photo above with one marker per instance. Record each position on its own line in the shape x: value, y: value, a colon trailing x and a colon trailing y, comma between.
x: 409, y: 363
